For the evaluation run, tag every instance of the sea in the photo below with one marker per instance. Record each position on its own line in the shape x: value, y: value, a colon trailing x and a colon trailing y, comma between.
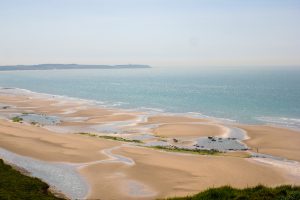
x: 249, y: 96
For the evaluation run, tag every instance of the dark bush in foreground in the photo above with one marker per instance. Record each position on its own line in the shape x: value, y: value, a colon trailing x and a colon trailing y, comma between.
x: 16, y: 186
x: 285, y: 192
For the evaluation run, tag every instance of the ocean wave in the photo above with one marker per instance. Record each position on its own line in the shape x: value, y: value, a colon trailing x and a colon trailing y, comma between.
x: 286, y: 122
x: 203, y: 116
x: 148, y: 109
x: 63, y: 99
x: 293, y: 123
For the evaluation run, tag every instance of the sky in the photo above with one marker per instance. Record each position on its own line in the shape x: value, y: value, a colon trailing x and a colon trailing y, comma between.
x: 155, y: 32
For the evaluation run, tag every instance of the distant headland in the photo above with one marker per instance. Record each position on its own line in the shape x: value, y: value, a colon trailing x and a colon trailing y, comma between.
x: 69, y: 66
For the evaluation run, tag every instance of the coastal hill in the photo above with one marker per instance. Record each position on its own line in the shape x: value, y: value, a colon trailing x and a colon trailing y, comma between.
x: 69, y: 66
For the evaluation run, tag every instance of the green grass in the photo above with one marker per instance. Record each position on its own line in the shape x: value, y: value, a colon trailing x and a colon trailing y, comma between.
x: 16, y: 186
x: 17, y: 119
x: 184, y: 150
x: 27, y: 113
x: 111, y: 137
x: 285, y: 192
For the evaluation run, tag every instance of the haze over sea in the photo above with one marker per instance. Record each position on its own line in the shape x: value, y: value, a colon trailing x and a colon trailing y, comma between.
x: 245, y: 96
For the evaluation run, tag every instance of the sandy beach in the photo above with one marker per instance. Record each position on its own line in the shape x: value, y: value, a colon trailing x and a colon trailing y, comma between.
x: 155, y: 173
x: 192, y: 130
x: 49, y: 146
x: 274, y: 141
x: 170, y: 174
x: 125, y: 170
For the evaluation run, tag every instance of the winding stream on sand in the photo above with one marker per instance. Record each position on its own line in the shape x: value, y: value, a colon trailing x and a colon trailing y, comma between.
x: 65, y: 178
x: 62, y: 177
x: 111, y: 158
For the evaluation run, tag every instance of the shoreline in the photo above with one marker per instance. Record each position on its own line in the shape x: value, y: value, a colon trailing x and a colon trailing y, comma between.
x: 149, y: 110
x: 124, y: 166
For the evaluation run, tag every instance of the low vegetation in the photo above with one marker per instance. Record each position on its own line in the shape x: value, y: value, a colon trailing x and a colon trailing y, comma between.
x: 260, y: 192
x: 185, y: 150
x: 17, y: 119
x: 27, y: 113
x: 16, y: 186
x: 111, y: 138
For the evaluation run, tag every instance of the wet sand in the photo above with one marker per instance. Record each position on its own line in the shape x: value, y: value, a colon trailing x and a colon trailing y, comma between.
x: 173, y: 119
x: 54, y: 106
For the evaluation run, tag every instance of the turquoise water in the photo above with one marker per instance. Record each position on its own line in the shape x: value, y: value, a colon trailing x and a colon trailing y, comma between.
x: 246, y: 96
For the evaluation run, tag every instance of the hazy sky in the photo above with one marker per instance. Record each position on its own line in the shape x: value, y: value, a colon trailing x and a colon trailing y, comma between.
x: 154, y: 32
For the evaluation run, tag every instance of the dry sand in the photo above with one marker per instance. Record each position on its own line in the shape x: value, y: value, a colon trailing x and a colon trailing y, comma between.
x: 170, y: 174
x: 193, y: 130
x: 42, y: 144
x: 274, y: 141
x: 155, y: 173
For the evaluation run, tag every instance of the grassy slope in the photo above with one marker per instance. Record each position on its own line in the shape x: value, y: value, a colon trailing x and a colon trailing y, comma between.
x: 16, y: 186
x: 256, y: 193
